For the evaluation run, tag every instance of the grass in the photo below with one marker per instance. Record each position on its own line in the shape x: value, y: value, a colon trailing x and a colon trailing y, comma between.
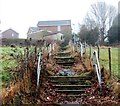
x: 104, y: 58
x: 7, y: 62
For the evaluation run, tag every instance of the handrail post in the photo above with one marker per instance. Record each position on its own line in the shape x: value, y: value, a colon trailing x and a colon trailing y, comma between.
x: 39, y: 68
x: 50, y: 49
x: 98, y: 76
x: 96, y: 60
x: 97, y: 67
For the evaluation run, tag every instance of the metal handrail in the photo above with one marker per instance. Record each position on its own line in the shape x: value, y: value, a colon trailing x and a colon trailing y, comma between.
x: 39, y: 68
x: 97, y: 67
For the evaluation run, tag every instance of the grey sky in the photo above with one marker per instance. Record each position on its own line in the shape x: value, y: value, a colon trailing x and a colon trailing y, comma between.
x: 21, y: 14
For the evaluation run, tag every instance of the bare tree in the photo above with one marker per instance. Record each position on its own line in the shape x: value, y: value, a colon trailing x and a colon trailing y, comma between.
x: 100, y: 15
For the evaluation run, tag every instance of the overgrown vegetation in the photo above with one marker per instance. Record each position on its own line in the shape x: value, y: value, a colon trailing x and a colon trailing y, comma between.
x: 8, y: 58
x: 19, y: 65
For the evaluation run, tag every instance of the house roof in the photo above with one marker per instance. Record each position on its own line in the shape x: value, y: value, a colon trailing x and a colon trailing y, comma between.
x: 54, y: 23
x: 10, y: 30
x: 34, y: 29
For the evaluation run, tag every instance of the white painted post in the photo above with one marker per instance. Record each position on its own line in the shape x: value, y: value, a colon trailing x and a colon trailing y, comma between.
x: 50, y: 48
x: 98, y: 76
x: 53, y: 47
x: 39, y: 68
x: 96, y: 61
x: 45, y: 45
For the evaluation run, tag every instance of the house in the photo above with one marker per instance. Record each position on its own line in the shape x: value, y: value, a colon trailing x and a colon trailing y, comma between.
x: 32, y: 30
x: 10, y: 34
x: 54, y: 36
x: 36, y: 33
x: 62, y: 26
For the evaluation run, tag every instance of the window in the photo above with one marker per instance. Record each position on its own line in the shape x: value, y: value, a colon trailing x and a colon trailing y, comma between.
x: 58, y: 28
x: 12, y: 34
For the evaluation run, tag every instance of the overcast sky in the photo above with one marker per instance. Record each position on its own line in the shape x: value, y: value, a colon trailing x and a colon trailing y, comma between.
x: 22, y: 14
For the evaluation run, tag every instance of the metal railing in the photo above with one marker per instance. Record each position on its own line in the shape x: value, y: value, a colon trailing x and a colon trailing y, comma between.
x: 39, y: 68
x: 81, y: 49
x: 96, y: 65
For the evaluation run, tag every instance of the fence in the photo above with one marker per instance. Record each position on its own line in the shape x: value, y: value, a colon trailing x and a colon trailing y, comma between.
x: 107, y: 56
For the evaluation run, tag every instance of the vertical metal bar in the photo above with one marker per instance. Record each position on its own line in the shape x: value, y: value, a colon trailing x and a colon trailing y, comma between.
x: 38, y: 69
x: 81, y: 49
x: 97, y: 61
x: 97, y: 66
x: 50, y: 50
x: 98, y: 76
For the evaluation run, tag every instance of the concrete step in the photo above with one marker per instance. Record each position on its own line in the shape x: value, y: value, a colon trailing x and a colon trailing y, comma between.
x: 70, y: 91
x: 70, y: 104
x: 63, y: 53
x: 64, y: 58
x: 73, y: 95
x: 66, y: 67
x: 68, y: 82
x: 66, y: 63
x: 71, y: 77
x: 83, y: 86
x: 63, y: 48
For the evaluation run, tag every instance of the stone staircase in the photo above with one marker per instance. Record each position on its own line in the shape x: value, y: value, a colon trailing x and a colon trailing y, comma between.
x: 70, y: 85
x: 67, y: 84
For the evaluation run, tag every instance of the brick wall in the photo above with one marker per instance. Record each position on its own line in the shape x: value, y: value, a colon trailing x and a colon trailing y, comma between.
x: 55, y: 28
x: 50, y: 28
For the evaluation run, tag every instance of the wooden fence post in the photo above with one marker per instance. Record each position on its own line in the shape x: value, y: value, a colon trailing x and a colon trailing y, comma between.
x: 109, y: 52
x: 85, y: 46
x: 35, y: 52
x: 98, y: 52
x: 81, y: 49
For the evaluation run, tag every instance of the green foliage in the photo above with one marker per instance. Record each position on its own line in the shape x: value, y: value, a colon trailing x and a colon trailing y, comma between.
x: 89, y: 35
x: 67, y: 37
x: 114, y: 31
x: 8, y: 62
x: 45, y: 33
x: 113, y: 34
